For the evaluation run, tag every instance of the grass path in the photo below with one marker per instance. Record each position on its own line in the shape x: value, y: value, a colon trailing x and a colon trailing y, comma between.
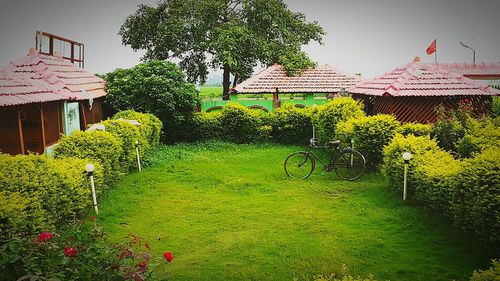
x: 228, y: 213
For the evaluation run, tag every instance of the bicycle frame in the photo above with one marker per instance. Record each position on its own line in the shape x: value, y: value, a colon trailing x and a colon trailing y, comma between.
x: 328, y: 164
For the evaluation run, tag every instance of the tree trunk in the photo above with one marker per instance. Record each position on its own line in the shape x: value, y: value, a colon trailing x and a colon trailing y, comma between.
x: 225, y: 83
x: 235, y: 81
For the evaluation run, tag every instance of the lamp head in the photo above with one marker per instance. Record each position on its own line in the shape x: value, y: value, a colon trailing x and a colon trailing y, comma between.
x: 89, y: 168
x: 406, y: 156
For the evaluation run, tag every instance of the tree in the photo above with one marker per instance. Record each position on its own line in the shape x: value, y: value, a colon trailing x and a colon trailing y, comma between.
x: 157, y: 87
x: 232, y: 35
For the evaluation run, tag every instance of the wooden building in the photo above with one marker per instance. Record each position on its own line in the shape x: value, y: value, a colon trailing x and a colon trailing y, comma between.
x: 412, y: 92
x: 43, y: 96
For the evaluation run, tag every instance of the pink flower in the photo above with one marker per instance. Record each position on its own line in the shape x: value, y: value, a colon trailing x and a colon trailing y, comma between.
x: 168, y: 256
x: 70, y: 252
x: 44, y: 236
x: 93, y: 218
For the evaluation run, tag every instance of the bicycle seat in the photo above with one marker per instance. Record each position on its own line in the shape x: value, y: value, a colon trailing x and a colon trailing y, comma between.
x: 334, y: 143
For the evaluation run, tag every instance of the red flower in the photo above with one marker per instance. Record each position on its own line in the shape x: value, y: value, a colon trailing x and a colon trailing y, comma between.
x: 466, y: 100
x: 69, y: 252
x: 93, y: 218
x: 168, y: 256
x: 44, y: 236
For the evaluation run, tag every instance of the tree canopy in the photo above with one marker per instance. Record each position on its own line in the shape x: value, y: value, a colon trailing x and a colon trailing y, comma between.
x: 232, y: 35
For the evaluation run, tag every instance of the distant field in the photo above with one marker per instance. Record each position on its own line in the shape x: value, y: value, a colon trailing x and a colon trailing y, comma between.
x: 207, y: 92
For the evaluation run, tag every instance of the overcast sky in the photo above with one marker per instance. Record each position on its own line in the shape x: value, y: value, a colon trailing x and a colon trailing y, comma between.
x: 363, y: 36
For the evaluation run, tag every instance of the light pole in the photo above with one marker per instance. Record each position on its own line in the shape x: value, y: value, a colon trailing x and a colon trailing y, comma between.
x: 137, y: 153
x: 473, y: 52
x: 406, y: 158
x: 90, y: 173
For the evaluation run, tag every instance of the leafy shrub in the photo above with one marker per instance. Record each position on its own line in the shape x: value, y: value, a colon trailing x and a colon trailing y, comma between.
x: 39, y: 193
x: 150, y: 127
x: 495, y: 107
x: 328, y: 115
x: 415, y: 129
x: 394, y: 163
x: 476, y: 204
x: 451, y: 126
x: 480, y: 135
x: 241, y: 125
x: 491, y: 274
x: 202, y: 126
x: 128, y: 134
x: 369, y: 135
x: 101, y: 147
x: 290, y: 125
x: 156, y: 87
x: 342, y: 276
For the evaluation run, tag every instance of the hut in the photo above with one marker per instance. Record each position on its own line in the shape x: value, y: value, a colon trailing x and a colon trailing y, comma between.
x: 274, y: 80
x: 43, y: 96
x: 413, y: 91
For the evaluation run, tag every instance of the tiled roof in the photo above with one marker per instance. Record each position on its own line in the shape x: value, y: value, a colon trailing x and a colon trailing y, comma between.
x: 422, y: 79
x: 322, y: 79
x: 480, y: 70
x: 39, y: 78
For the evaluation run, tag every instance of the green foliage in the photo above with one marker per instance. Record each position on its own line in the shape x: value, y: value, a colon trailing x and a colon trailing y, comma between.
x: 491, y: 274
x: 394, y: 163
x: 342, y: 276
x: 296, y: 62
x: 476, y: 204
x: 290, y: 125
x: 330, y: 114
x: 241, y: 125
x: 150, y: 127
x: 156, y: 87
x: 97, y: 146
x: 39, y: 193
x: 416, y: 129
x: 242, y: 34
x: 202, y: 126
x: 481, y: 134
x: 128, y: 134
x: 451, y: 126
x: 369, y: 135
x: 495, y: 107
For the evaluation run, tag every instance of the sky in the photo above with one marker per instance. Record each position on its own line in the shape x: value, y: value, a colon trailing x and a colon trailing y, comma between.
x: 363, y: 36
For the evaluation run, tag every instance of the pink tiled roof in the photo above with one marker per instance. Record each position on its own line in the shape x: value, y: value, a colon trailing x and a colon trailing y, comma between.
x: 322, y: 79
x: 480, y: 70
x: 39, y: 78
x: 421, y: 79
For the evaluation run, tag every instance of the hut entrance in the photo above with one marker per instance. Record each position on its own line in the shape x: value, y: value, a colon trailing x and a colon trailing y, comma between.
x: 31, y: 123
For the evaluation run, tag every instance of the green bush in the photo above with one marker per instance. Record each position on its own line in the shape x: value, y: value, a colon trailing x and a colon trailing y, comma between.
x: 101, y: 147
x: 290, y: 125
x: 491, y: 274
x: 327, y: 116
x: 241, y: 125
x: 150, y: 127
x: 202, y: 126
x: 394, y: 163
x: 451, y: 126
x: 480, y: 135
x: 156, y: 87
x: 476, y: 204
x: 495, y: 107
x: 369, y: 135
x: 38, y: 192
x: 128, y: 134
x: 415, y: 129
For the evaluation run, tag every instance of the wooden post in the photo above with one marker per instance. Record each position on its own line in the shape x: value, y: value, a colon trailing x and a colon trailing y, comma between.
x: 20, y: 128
x: 42, y: 125
x: 276, y: 102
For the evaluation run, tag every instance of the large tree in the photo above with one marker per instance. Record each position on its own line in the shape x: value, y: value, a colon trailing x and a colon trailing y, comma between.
x: 232, y: 35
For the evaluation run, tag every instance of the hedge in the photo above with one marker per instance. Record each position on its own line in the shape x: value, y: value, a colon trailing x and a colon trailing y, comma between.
x: 242, y: 125
x: 150, y: 128
x: 480, y: 135
x: 290, y: 125
x: 416, y: 129
x: 98, y: 146
x: 369, y: 135
x: 326, y: 117
x: 37, y: 192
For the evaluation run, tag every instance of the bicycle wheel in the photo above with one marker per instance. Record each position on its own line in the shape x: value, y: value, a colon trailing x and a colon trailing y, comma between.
x: 299, y: 165
x: 350, y: 164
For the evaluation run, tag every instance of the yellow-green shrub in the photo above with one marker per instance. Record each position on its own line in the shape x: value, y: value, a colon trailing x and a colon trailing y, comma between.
x: 476, y: 204
x: 290, y: 125
x: 369, y: 135
x: 201, y: 126
x: 415, y: 129
x: 98, y: 146
x: 480, y: 135
x: 327, y: 116
x: 150, y: 127
x: 241, y: 125
x: 128, y: 134
x: 491, y: 274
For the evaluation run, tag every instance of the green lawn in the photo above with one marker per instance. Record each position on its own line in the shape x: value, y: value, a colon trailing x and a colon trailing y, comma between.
x: 228, y: 213
x: 207, y: 92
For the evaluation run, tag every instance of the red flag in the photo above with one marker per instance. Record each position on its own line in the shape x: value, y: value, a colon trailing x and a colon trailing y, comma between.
x: 432, y: 48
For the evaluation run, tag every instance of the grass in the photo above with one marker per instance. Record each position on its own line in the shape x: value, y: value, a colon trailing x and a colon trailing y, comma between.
x: 207, y: 92
x: 228, y: 213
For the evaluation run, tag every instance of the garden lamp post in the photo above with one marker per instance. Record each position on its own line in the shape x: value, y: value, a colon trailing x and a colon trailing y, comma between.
x: 137, y: 153
x: 90, y: 173
x: 473, y: 52
x: 406, y: 158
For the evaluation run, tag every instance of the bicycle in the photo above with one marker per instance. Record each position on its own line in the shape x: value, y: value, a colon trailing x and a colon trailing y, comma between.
x: 348, y: 163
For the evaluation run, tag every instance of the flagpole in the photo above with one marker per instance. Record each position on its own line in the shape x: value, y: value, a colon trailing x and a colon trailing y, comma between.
x: 436, y: 53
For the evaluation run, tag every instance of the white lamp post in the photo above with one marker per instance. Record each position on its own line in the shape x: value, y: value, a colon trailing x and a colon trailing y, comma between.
x: 138, y: 157
x: 406, y: 158
x: 90, y: 173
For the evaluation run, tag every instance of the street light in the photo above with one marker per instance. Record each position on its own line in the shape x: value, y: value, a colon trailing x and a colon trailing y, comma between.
x: 137, y: 153
x: 473, y: 52
x: 90, y: 173
x: 406, y: 158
